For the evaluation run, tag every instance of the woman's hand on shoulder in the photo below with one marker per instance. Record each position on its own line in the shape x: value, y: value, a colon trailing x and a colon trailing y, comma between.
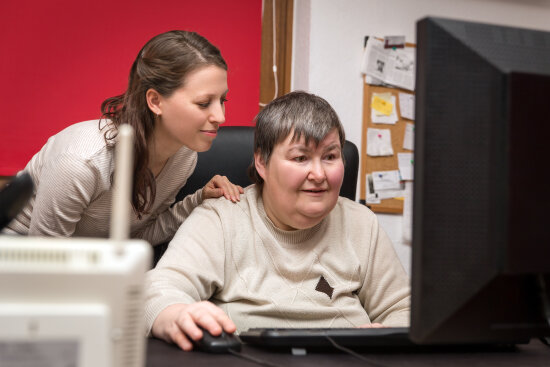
x: 179, y: 323
x: 221, y: 186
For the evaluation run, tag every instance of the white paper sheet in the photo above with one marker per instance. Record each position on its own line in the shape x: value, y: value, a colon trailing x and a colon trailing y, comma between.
x: 379, y: 142
x: 392, y: 66
x: 407, y: 213
x: 372, y: 196
x: 390, y: 194
x: 406, y: 165
x: 408, y: 139
x: 387, y: 184
x: 373, y: 81
x: 386, y: 180
x: 406, y: 105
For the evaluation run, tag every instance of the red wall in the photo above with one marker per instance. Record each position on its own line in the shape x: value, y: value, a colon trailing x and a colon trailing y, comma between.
x: 60, y: 59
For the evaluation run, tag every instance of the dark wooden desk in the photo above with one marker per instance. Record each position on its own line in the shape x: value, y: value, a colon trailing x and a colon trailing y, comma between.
x: 535, y: 353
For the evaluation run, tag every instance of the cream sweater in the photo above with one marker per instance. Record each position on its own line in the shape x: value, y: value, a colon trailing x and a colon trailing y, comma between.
x: 343, y: 272
x: 72, y: 197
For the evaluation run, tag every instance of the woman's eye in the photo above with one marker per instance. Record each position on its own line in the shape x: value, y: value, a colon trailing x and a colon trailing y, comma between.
x: 223, y: 100
x: 299, y: 159
x: 330, y: 157
x: 203, y: 104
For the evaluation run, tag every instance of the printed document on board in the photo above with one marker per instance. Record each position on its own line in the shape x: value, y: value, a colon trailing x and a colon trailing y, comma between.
x: 391, y: 66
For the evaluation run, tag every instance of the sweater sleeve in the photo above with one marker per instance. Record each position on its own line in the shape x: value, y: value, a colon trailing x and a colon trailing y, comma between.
x: 385, y: 294
x: 163, y: 225
x: 67, y: 186
x: 191, y: 269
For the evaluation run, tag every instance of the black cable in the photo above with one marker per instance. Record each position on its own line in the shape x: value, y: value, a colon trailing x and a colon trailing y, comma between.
x: 352, y: 353
x: 336, y: 345
x: 252, y: 359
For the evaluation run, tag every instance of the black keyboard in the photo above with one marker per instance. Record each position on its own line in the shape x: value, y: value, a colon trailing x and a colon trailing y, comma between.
x: 314, y: 338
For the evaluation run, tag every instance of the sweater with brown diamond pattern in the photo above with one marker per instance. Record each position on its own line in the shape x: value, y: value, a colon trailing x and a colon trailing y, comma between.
x: 343, y: 272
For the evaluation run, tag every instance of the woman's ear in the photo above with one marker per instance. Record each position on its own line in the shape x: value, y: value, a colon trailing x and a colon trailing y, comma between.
x: 260, y: 165
x: 154, y: 101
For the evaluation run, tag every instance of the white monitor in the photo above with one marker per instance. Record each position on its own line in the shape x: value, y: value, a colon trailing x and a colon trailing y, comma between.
x: 72, y: 302
x: 77, y: 302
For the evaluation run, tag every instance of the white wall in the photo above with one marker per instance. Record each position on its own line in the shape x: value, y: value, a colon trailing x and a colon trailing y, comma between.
x: 328, y: 46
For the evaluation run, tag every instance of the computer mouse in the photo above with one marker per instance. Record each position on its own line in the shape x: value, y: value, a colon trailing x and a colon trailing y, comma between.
x: 217, y: 344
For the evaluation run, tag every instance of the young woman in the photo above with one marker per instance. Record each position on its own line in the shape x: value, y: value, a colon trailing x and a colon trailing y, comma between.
x: 175, y: 102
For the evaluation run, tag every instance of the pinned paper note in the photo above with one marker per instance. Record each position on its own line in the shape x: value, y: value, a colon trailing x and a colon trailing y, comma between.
x: 372, y: 80
x: 391, y: 66
x: 391, y: 194
x: 406, y: 105
x: 381, y: 105
x: 381, y: 118
x: 408, y: 139
x: 407, y: 213
x: 386, y: 96
x: 372, y: 196
x: 394, y: 42
x: 379, y: 142
x: 386, y: 180
x: 383, y: 185
x: 406, y: 165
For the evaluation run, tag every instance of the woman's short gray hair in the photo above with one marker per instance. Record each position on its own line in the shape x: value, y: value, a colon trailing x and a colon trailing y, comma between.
x: 300, y: 113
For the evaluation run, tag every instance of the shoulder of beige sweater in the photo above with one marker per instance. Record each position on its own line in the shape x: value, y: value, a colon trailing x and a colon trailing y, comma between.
x: 222, y: 204
x: 84, y: 140
x: 350, y: 207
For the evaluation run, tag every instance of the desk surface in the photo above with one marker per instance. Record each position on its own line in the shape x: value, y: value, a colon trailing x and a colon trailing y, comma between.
x: 535, y: 353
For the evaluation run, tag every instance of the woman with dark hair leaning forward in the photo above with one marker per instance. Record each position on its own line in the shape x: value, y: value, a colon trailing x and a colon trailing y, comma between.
x: 291, y: 253
x: 175, y: 102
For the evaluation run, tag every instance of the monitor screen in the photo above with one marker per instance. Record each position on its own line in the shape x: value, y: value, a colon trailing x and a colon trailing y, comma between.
x: 481, y: 249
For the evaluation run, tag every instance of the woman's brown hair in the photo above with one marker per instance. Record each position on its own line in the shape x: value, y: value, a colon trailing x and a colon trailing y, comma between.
x: 162, y: 64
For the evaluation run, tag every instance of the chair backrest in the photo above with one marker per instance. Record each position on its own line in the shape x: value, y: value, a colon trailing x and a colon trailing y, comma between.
x: 232, y: 153
x: 14, y: 197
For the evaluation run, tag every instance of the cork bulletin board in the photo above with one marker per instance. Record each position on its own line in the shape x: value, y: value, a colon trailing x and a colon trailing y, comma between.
x: 378, y: 163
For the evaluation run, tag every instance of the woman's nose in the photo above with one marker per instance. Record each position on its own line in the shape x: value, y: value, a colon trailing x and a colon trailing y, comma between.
x: 218, y: 113
x: 317, y: 171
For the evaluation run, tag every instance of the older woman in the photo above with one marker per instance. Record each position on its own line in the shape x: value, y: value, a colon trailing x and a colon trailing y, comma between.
x: 291, y: 253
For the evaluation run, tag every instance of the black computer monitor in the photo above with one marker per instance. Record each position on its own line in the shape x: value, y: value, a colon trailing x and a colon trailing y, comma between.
x: 481, y: 228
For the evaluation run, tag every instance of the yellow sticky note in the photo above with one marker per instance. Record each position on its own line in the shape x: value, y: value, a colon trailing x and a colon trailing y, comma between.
x: 382, y: 106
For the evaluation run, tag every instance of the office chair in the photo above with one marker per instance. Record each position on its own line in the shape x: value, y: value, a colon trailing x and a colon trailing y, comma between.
x: 232, y: 153
x: 14, y: 197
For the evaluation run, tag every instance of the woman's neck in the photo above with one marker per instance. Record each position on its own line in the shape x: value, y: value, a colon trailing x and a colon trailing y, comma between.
x: 159, y: 153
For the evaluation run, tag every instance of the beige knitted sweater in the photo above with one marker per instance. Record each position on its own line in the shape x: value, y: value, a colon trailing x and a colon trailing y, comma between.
x: 343, y: 272
x: 72, y: 197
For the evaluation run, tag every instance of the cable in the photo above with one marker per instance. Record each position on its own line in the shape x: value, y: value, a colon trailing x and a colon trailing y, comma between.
x: 336, y: 345
x: 274, y: 18
x: 252, y: 359
x: 351, y: 352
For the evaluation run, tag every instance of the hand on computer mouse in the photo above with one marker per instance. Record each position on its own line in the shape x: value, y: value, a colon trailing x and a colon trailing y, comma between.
x: 180, y: 323
x: 221, y: 343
